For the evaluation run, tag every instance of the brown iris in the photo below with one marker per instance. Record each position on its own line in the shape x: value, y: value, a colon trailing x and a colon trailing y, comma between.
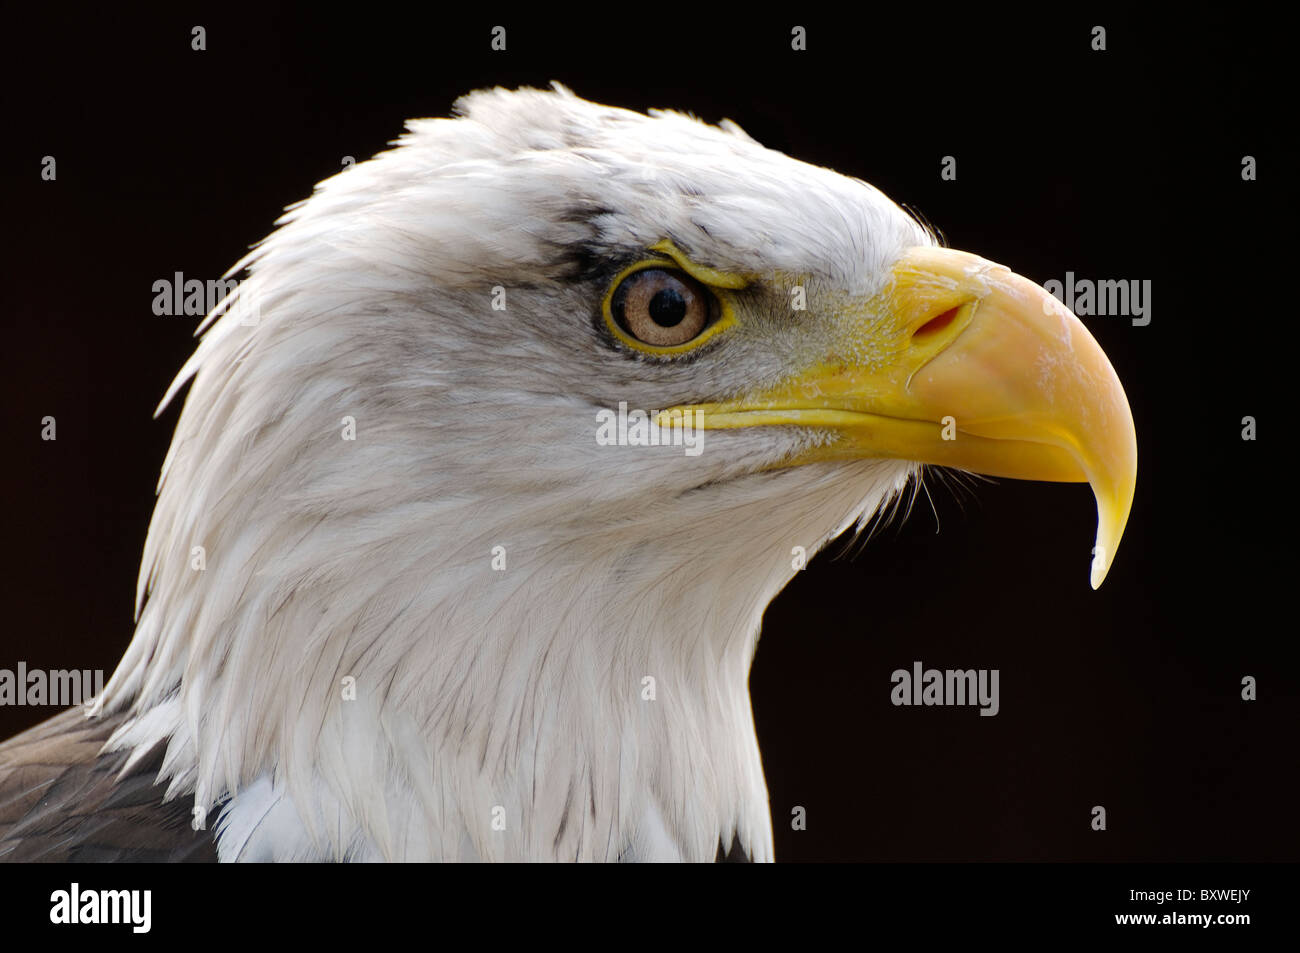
x: 660, y: 307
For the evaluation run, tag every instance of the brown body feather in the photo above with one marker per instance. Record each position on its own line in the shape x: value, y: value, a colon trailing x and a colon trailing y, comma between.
x: 62, y: 800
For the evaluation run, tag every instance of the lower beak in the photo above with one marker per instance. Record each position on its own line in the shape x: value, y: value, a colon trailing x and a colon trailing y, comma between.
x: 960, y: 362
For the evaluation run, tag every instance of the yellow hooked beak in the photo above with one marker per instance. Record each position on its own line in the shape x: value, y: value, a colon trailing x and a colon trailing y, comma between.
x: 962, y: 363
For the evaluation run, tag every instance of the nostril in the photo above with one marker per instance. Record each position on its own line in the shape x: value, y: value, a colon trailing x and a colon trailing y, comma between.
x: 937, y: 323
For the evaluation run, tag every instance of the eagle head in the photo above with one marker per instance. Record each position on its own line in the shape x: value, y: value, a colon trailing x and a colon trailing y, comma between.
x: 500, y: 450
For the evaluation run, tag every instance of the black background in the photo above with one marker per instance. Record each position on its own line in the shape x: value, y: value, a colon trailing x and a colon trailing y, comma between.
x: 1122, y: 164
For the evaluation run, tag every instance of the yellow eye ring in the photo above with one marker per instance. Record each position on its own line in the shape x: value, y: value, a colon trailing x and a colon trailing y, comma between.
x: 673, y: 260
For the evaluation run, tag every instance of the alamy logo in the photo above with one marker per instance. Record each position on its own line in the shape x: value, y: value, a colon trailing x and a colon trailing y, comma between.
x: 1107, y: 297
x: 103, y: 906
x: 637, y: 428
x: 58, y: 687
x: 181, y: 296
x: 952, y: 686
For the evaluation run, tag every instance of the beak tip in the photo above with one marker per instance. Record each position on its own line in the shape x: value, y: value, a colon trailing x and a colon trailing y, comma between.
x: 1113, y: 506
x: 1101, y: 555
x: 1098, y: 573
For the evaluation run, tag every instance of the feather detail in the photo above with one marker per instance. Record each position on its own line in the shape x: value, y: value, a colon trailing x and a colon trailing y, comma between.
x: 62, y: 801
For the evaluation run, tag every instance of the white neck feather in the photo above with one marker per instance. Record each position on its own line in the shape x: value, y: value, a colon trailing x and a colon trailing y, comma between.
x: 484, y: 698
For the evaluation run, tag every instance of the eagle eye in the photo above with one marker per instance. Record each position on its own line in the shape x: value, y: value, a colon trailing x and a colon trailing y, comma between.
x: 661, y: 307
x: 666, y: 304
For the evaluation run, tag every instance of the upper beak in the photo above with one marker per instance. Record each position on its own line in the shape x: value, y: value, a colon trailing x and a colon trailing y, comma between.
x: 962, y: 363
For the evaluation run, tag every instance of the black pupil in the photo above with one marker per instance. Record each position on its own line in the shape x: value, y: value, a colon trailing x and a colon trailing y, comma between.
x: 667, y: 308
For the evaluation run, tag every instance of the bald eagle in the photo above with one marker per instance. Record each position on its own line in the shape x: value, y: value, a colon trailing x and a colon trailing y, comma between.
x: 443, y: 607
